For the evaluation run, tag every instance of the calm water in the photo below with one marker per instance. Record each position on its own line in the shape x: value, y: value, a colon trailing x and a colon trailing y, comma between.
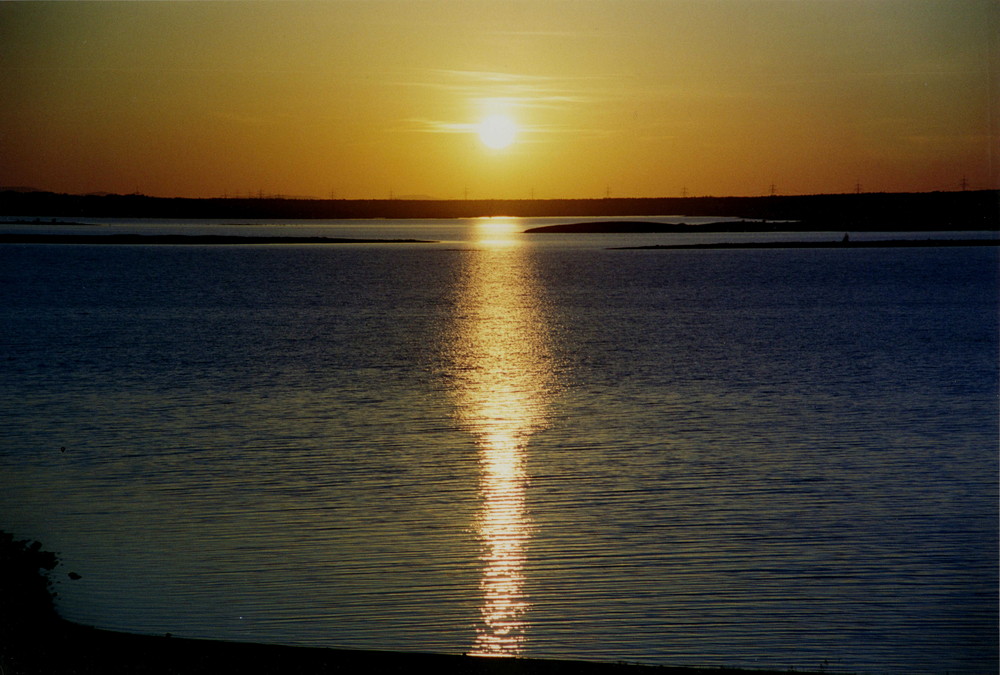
x: 502, y: 444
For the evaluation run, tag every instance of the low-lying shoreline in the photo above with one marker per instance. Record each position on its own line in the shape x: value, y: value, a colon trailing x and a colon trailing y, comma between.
x: 64, y: 648
x: 972, y: 210
x: 236, y: 240
x: 881, y: 243
x: 653, y: 227
x: 729, y: 226
x: 35, y: 640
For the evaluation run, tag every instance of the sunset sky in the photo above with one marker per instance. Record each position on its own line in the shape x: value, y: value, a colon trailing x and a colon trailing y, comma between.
x: 371, y: 98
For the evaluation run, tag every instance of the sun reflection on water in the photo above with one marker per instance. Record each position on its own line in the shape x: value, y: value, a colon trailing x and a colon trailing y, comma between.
x: 502, y: 383
x: 497, y: 232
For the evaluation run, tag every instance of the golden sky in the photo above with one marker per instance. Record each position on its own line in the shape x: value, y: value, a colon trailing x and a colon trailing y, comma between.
x: 372, y: 98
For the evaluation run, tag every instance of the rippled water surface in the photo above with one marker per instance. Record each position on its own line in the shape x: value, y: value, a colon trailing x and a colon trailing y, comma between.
x: 502, y: 444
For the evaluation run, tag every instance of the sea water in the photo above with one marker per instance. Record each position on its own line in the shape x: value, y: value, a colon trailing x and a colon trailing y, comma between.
x: 509, y: 444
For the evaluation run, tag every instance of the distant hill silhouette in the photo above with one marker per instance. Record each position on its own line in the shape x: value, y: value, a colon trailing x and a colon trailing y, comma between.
x: 976, y: 210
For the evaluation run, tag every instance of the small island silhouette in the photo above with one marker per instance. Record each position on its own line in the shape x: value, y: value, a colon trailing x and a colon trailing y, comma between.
x: 650, y: 227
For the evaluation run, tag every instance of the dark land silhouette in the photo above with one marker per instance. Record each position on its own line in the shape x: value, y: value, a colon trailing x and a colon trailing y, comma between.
x: 219, y: 240
x: 971, y: 210
x: 881, y: 243
x: 186, y: 239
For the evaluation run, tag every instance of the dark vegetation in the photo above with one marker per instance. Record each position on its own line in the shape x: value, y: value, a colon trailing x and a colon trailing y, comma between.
x: 35, y: 641
x: 27, y: 612
x: 972, y: 210
x: 24, y: 584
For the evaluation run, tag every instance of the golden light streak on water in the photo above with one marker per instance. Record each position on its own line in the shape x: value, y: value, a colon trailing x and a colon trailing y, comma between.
x: 503, y: 380
x: 498, y: 232
x: 504, y: 525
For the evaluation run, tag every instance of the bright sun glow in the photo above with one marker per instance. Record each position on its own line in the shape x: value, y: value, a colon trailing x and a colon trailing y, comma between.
x: 497, y: 131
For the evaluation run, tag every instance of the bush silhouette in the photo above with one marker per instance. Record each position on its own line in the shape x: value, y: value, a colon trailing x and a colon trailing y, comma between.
x: 26, y: 593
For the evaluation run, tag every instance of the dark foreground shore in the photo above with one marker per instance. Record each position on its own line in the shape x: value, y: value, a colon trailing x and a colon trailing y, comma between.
x: 34, y: 640
x: 64, y: 649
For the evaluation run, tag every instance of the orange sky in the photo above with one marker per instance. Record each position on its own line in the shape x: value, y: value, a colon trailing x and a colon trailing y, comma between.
x: 365, y: 98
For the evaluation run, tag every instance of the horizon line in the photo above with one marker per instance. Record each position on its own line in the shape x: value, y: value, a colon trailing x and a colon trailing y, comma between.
x: 263, y: 196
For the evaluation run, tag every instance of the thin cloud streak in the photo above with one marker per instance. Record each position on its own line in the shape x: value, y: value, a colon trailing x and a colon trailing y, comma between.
x: 532, y: 133
x: 494, y: 85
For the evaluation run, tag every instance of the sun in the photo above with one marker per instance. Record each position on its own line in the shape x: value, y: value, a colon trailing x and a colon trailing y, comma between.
x: 497, y: 131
